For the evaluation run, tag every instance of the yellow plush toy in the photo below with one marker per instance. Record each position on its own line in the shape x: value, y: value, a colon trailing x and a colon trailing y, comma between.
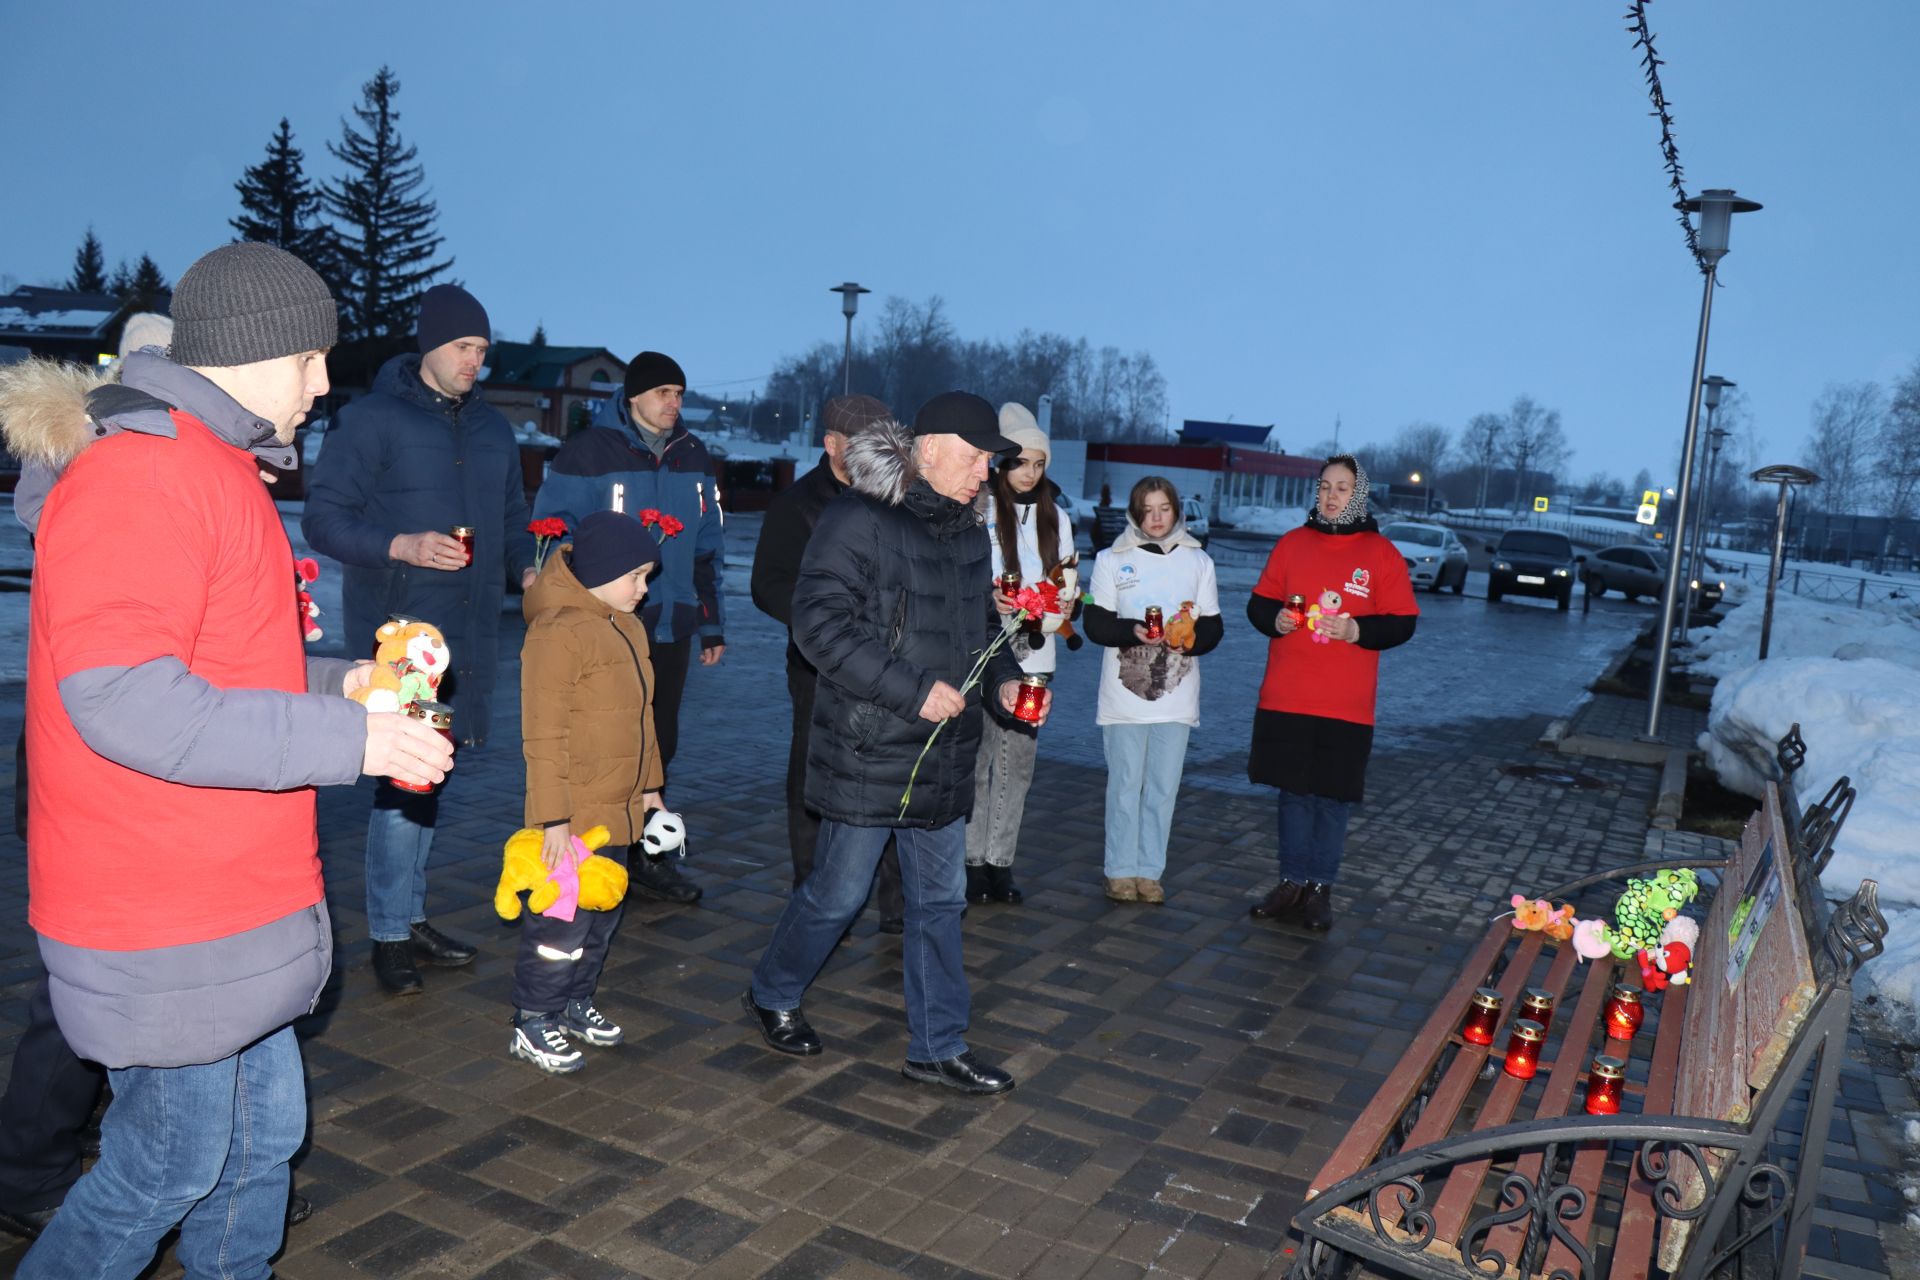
x: 594, y: 883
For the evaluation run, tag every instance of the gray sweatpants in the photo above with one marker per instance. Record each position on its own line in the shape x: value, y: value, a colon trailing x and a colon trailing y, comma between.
x: 1001, y: 775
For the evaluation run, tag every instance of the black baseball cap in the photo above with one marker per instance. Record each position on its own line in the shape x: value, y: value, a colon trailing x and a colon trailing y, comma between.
x: 963, y: 414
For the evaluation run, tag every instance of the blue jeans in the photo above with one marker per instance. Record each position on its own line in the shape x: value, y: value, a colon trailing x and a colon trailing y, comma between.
x: 1313, y: 833
x: 1144, y: 763
x: 399, y: 838
x: 933, y: 878
x: 203, y: 1147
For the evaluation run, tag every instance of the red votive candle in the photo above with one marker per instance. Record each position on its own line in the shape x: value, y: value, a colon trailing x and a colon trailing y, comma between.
x: 441, y: 718
x: 1605, y: 1083
x: 465, y: 537
x: 1537, y: 1003
x: 1483, y: 1015
x: 1624, y: 1013
x: 1032, y: 696
x: 1009, y: 583
x: 1523, y: 1048
x: 1156, y: 622
x: 1296, y: 608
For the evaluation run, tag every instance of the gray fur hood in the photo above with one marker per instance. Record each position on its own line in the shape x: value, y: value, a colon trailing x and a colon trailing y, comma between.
x: 883, y: 462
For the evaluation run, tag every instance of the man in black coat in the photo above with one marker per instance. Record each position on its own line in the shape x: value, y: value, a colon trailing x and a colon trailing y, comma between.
x: 893, y: 604
x: 401, y: 468
x: 776, y: 567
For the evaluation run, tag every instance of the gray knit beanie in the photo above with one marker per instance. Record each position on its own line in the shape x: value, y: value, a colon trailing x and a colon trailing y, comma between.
x: 246, y: 302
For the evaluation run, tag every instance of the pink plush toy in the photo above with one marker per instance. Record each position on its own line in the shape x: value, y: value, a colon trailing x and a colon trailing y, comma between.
x: 1590, y: 941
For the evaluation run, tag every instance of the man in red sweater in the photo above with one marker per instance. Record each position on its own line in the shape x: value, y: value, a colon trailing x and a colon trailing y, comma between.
x: 176, y: 732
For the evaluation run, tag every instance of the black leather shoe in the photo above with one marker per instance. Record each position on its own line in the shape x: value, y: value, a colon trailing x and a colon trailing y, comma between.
x: 977, y: 888
x: 785, y: 1030
x: 434, y: 947
x: 893, y: 924
x: 659, y: 879
x: 393, y: 965
x: 1000, y: 885
x: 961, y: 1073
x: 299, y: 1209
x: 1280, y: 903
x: 1316, y: 907
x: 27, y: 1223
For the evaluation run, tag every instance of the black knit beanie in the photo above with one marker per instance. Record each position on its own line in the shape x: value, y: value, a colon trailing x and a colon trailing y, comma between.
x: 650, y: 369
x: 449, y: 313
x: 246, y: 302
x: 609, y: 544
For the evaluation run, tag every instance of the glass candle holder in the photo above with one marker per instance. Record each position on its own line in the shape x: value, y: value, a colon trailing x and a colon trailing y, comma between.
x: 1606, y: 1081
x: 1296, y: 608
x: 1523, y: 1048
x: 1483, y: 1015
x: 1624, y: 1013
x: 1537, y: 1003
x: 1009, y: 583
x: 1156, y: 623
x: 1032, y: 697
x: 440, y: 718
x: 464, y: 536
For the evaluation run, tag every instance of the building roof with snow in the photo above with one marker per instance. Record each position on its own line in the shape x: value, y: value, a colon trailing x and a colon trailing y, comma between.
x: 523, y: 364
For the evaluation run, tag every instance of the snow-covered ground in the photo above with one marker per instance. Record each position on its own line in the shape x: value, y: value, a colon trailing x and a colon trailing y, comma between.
x: 1851, y: 679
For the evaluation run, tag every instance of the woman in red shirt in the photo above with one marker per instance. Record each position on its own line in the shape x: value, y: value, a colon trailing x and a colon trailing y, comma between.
x: 1314, y: 727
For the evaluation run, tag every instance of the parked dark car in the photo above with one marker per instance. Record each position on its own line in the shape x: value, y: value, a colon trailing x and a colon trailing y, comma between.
x: 1534, y: 562
x: 1642, y: 571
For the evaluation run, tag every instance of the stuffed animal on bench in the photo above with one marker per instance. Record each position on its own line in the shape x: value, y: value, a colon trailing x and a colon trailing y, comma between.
x: 1641, y: 915
x: 1538, y: 914
x: 592, y: 882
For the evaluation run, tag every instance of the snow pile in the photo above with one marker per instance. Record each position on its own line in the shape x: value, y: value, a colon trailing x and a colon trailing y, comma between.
x: 1274, y: 520
x: 1849, y: 679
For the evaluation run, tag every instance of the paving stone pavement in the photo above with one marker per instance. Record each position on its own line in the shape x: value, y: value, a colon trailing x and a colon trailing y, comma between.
x: 1183, y: 1070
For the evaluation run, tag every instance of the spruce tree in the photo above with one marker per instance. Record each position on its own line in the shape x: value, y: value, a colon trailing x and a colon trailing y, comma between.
x: 120, y: 282
x: 539, y: 334
x: 278, y: 206
x: 145, y: 286
x: 387, y: 239
x: 89, y: 266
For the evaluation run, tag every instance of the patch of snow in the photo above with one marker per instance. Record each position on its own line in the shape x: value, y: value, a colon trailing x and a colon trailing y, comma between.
x: 1848, y: 678
x: 1274, y: 520
x: 21, y: 320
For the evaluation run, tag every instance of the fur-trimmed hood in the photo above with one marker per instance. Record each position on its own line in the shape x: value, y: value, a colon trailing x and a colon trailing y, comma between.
x: 883, y: 462
x: 43, y: 409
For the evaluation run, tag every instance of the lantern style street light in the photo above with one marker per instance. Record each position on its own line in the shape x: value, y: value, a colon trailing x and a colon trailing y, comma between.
x: 1787, y: 477
x: 849, y: 303
x: 1716, y: 207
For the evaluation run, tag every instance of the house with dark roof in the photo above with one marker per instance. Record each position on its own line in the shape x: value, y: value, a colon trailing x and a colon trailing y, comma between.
x: 548, y: 389
x: 81, y: 327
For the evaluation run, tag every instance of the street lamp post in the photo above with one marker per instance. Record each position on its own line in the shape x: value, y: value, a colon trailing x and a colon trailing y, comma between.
x: 849, y: 303
x: 1715, y: 386
x: 1426, y: 495
x: 1716, y: 207
x: 1786, y: 477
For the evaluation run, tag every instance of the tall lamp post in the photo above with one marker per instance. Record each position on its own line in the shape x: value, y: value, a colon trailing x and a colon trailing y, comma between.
x: 1715, y: 386
x: 1716, y: 207
x: 849, y: 303
x: 1426, y: 495
x: 1787, y: 477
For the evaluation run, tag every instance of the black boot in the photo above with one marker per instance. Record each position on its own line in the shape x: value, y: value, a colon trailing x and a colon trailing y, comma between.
x: 1316, y: 907
x: 1000, y: 885
x: 658, y: 878
x: 978, y: 890
x: 430, y: 946
x: 1279, y: 904
x: 393, y: 965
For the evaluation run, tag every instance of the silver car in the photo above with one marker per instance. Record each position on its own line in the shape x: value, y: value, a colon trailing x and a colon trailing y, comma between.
x: 1436, y: 559
x: 1642, y: 571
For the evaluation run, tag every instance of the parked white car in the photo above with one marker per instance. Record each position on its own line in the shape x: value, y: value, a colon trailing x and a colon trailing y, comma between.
x: 1436, y: 559
x: 1194, y: 512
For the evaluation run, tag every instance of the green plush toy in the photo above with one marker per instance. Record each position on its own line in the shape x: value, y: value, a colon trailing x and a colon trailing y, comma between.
x: 1645, y: 908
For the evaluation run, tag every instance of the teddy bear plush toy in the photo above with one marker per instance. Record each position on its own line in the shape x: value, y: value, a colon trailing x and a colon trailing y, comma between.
x: 1539, y: 914
x: 306, y: 570
x: 1318, y: 615
x: 591, y: 883
x: 409, y: 659
x: 1645, y: 911
x: 1180, y: 629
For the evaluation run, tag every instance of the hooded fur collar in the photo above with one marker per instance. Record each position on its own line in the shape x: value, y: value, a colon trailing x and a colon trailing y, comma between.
x: 883, y: 462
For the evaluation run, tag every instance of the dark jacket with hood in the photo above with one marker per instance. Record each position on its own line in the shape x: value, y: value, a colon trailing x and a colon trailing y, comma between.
x: 176, y: 726
x: 586, y: 711
x: 406, y: 459
x: 683, y: 600
x: 895, y: 592
x: 784, y: 535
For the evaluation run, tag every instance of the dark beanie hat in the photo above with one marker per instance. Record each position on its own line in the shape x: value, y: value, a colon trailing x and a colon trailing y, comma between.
x: 608, y: 544
x: 249, y: 301
x: 850, y: 415
x: 650, y: 369
x: 449, y: 313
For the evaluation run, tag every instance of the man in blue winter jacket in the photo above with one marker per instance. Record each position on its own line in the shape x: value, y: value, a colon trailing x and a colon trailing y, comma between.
x: 638, y: 456
x: 401, y: 469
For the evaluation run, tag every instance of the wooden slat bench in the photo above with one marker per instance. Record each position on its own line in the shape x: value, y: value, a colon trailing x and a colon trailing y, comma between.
x: 1456, y: 1169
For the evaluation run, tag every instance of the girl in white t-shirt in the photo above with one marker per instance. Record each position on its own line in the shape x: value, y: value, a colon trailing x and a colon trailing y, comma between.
x: 1030, y: 536
x: 1149, y: 688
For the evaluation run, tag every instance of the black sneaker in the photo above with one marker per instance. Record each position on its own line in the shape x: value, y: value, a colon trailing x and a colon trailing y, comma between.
x: 580, y: 1018
x: 540, y: 1041
x: 660, y: 879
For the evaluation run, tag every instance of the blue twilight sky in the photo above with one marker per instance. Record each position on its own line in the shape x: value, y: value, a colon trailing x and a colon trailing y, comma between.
x: 1386, y: 210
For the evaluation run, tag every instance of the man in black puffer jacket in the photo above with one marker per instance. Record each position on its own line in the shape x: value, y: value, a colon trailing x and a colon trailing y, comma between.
x: 893, y: 603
